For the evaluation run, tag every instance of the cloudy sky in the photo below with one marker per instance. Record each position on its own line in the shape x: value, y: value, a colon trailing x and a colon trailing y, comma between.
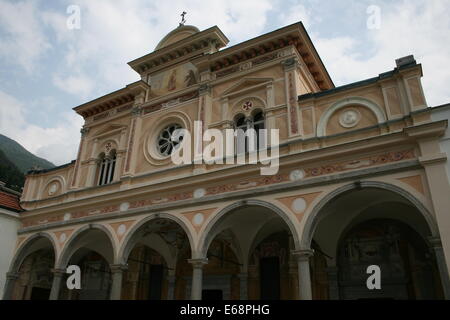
x: 46, y: 68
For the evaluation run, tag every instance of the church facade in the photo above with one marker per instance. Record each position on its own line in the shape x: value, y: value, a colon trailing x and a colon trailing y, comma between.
x: 361, y: 182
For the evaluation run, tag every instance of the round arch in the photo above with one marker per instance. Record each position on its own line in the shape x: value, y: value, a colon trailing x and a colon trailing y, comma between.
x: 49, y: 181
x: 206, y: 237
x: 22, y: 251
x: 379, y: 113
x: 67, y: 251
x: 128, y: 243
x: 259, y: 237
x: 313, y: 218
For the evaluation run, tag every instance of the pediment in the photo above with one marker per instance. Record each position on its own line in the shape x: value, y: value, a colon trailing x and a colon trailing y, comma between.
x: 246, y: 84
x: 110, y: 129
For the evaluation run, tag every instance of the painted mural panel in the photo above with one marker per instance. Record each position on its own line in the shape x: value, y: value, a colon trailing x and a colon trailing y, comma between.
x: 174, y: 79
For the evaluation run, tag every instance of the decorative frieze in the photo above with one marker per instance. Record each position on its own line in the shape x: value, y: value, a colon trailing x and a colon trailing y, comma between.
x: 360, y: 163
x: 171, y: 102
x: 235, y: 186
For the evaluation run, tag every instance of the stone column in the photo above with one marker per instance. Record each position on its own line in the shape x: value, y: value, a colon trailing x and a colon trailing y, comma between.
x: 333, y: 284
x: 304, y: 276
x: 436, y: 245
x: 171, y: 287
x: 197, y: 277
x: 243, y: 286
x: 434, y: 162
x: 117, y: 274
x: 58, y: 275
x: 11, y: 278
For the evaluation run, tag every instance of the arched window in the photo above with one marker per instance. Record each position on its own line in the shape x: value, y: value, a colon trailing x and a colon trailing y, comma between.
x: 255, y: 123
x: 107, y: 166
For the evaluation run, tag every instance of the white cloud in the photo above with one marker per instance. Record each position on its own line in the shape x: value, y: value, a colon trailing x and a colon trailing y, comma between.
x: 23, y: 40
x: 79, y: 85
x: 421, y: 28
x: 57, y: 144
x: 297, y: 13
x: 115, y: 32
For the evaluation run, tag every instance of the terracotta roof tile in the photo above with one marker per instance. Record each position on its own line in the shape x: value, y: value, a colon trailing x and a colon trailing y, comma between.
x: 10, y: 201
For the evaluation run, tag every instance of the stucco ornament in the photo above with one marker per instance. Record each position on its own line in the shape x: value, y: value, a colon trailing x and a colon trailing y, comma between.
x: 349, y: 118
x: 124, y: 206
x: 199, y: 193
x: 121, y: 230
x: 299, y: 205
x: 297, y: 175
x: 247, y: 106
x: 53, y: 188
x: 198, y: 219
x: 62, y: 238
x: 108, y: 147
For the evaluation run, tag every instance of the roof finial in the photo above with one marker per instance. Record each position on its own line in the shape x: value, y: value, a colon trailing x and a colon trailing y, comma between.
x: 183, y: 20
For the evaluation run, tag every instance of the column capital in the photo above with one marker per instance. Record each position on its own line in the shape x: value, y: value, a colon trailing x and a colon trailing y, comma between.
x: 435, y: 242
x: 204, y: 89
x: 243, y: 275
x: 58, y: 272
x: 290, y: 64
x: 12, y: 275
x: 84, y: 131
x: 198, y: 263
x: 118, y: 268
x: 303, y: 254
x: 136, y: 111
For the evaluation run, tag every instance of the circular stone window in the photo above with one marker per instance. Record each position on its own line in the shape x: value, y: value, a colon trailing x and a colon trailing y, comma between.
x: 169, y: 139
x: 349, y: 118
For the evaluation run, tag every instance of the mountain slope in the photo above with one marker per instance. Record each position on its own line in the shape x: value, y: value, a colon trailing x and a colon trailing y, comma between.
x: 10, y: 174
x: 20, y: 157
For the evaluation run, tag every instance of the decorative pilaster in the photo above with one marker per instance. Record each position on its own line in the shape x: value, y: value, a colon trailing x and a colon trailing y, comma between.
x: 304, y: 276
x: 436, y: 246
x: 135, y: 127
x: 434, y: 163
x: 90, y: 181
x: 11, y: 278
x: 269, y: 115
x: 120, y: 155
x: 290, y: 73
x: 203, y: 102
x: 58, y: 275
x: 117, y: 275
x: 84, y: 132
x: 197, y: 277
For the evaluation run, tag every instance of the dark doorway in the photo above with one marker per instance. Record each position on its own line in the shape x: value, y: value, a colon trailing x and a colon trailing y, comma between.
x: 212, y: 295
x: 40, y: 294
x: 270, y: 278
x: 156, y: 279
x: 400, y: 252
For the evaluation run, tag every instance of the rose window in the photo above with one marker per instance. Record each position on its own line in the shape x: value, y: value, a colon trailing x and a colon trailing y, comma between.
x: 170, y: 139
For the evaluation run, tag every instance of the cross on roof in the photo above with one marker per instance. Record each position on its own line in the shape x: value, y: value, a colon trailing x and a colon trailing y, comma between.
x: 183, y: 20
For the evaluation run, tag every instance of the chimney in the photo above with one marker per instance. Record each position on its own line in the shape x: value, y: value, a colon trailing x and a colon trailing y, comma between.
x: 401, y: 62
